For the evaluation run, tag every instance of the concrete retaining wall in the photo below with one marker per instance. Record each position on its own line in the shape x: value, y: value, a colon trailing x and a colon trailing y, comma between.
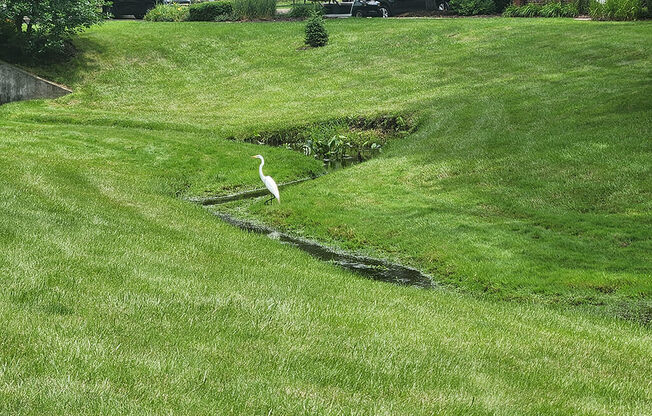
x: 17, y: 85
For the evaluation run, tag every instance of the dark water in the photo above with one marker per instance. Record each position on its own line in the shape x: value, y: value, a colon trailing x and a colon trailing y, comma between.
x: 367, y: 267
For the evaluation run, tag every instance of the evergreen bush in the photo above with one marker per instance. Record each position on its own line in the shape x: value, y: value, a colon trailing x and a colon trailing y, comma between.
x: 316, y: 34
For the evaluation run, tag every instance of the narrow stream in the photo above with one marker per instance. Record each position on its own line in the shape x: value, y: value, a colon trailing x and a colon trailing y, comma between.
x: 370, y: 268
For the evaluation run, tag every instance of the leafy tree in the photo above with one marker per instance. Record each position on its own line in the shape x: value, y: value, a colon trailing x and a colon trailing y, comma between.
x: 43, y: 28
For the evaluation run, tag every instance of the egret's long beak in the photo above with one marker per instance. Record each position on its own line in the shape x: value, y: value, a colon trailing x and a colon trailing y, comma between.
x: 254, y: 157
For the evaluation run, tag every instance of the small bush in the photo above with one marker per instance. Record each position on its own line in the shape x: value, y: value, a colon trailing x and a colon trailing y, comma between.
x: 316, y: 34
x: 472, y: 7
x: 167, y: 13
x: 616, y: 10
x: 208, y: 12
x: 300, y: 10
x: 254, y: 9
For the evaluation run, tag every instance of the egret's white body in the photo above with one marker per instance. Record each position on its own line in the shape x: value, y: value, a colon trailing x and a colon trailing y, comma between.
x: 267, y: 180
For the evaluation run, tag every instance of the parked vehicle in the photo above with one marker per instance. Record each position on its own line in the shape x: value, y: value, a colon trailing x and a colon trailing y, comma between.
x: 137, y: 8
x: 382, y: 8
x: 369, y: 8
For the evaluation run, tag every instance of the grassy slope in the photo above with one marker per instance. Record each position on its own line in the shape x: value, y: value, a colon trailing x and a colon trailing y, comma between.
x: 117, y: 297
x: 531, y: 170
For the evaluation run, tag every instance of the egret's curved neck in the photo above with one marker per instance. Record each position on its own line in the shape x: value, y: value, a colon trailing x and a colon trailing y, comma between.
x: 260, y: 169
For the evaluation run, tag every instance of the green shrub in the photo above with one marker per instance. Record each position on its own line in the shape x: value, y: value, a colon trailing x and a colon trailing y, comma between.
x: 316, y: 34
x: 616, y: 10
x: 472, y: 7
x: 501, y: 5
x: 582, y: 6
x: 208, y: 12
x: 300, y: 10
x: 167, y: 13
x: 254, y: 9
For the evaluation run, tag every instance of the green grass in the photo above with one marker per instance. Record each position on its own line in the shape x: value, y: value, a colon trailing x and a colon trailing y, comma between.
x: 531, y: 159
x: 518, y: 182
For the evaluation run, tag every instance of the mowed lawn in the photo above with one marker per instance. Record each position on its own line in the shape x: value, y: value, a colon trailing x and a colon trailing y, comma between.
x: 528, y: 176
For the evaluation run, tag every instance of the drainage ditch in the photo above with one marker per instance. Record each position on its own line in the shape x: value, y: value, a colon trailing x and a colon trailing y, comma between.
x: 367, y: 267
x: 339, y: 144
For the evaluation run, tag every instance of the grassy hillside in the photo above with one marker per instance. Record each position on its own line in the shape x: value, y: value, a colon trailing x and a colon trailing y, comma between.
x: 118, y: 296
x: 529, y: 175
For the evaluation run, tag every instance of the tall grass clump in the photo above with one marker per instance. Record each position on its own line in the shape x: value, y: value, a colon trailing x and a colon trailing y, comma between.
x: 552, y: 9
x: 616, y: 10
x: 531, y: 10
x: 511, y: 11
x: 558, y: 9
x: 254, y: 9
x: 167, y: 13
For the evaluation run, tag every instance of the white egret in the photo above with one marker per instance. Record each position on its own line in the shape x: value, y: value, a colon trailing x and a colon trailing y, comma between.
x: 268, y: 181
